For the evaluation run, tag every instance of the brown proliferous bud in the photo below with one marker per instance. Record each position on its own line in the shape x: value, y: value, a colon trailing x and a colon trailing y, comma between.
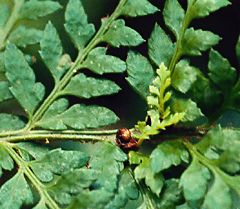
x: 125, y: 140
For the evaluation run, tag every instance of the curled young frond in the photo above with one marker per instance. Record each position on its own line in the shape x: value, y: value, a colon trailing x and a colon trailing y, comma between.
x: 159, y: 112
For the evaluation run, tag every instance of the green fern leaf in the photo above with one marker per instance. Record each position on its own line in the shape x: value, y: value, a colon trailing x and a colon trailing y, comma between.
x: 10, y: 122
x: 140, y: 73
x: 201, y: 9
x: 144, y: 171
x: 221, y: 72
x: 168, y: 154
x: 88, y: 87
x: 77, y: 24
x: 121, y: 35
x: 4, y: 14
x: 51, y: 50
x: 184, y: 76
x: 78, y: 116
x: 23, y: 36
x: 160, y: 40
x: 98, y: 62
x: 34, y: 9
x: 22, y: 82
x: 16, y: 191
x: 196, y: 41
x: 134, y: 8
x: 173, y: 14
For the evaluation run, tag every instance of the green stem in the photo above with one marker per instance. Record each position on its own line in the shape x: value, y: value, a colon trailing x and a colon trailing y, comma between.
x: 10, y: 23
x: 77, y: 64
x: 178, y: 49
x: 34, y: 180
x: 50, y: 136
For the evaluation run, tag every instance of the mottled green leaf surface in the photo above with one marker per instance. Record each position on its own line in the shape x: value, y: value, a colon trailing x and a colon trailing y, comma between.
x: 16, y: 191
x: 34, y: 9
x: 76, y: 24
x: 47, y: 166
x: 201, y: 8
x: 184, y: 76
x: 168, y: 154
x: 196, y: 41
x: 160, y: 46
x: 144, y: 171
x: 221, y: 72
x: 192, y: 112
x: 140, y: 73
x: 4, y: 91
x: 99, y: 62
x: 171, y: 195
x: 79, y: 116
x: 22, y: 80
x: 4, y: 14
x: 194, y: 182
x: 121, y: 35
x: 173, y: 14
x: 135, y: 8
x: 6, y: 162
x: 23, y: 36
x: 72, y: 183
x: 87, y: 87
x: 51, y: 50
x: 10, y: 122
x: 127, y: 189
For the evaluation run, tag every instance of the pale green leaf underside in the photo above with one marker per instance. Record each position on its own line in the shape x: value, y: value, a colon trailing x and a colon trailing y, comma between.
x: 22, y: 80
x: 34, y: 9
x: 4, y: 91
x: 79, y: 116
x: 88, y: 87
x: 15, y: 192
x: 221, y: 72
x: 173, y: 14
x: 196, y: 41
x: 10, y: 122
x: 140, y: 73
x: 99, y: 62
x: 51, y: 50
x: 160, y: 47
x: 134, y: 8
x: 167, y: 154
x: 184, y: 76
x: 77, y: 24
x: 23, y: 36
x: 121, y: 35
